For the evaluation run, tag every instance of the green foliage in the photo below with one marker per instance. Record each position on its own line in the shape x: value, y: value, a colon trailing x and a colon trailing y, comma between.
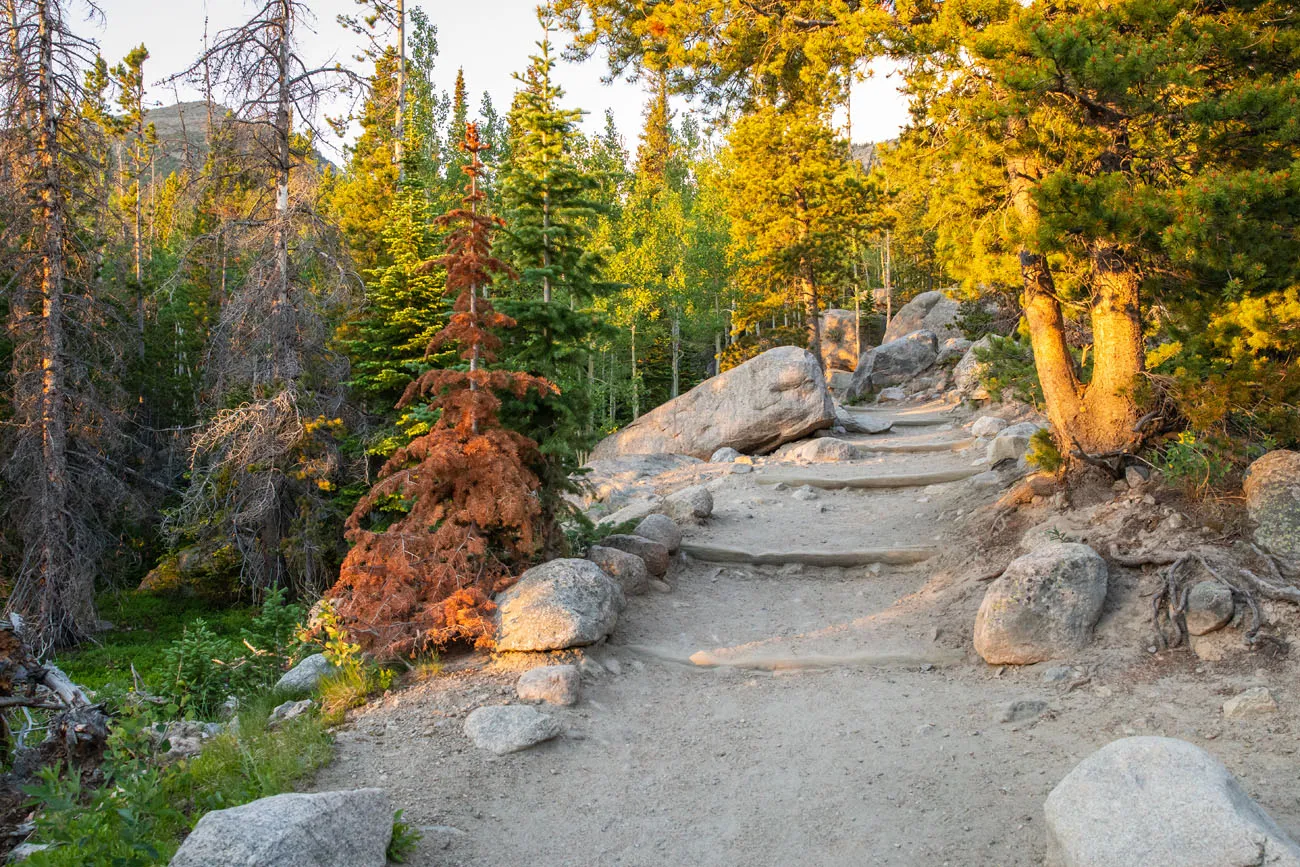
x: 403, y: 842
x: 1043, y: 452
x: 140, y: 811
x: 583, y: 533
x: 201, y: 678
x: 1010, y: 371
x: 1196, y: 465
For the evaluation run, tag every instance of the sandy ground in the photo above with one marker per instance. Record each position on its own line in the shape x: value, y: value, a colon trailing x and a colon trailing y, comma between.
x: 851, y: 723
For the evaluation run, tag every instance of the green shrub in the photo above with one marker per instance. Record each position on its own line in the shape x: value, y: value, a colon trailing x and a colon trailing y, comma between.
x: 139, y: 813
x: 201, y: 679
x: 1009, y: 370
x: 1043, y: 452
x: 403, y: 841
x: 1196, y: 465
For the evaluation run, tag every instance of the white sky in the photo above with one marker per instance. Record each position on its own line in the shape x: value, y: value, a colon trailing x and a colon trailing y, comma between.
x: 489, y: 38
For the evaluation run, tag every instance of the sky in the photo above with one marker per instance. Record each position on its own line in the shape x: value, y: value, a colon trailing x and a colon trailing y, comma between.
x: 490, y: 39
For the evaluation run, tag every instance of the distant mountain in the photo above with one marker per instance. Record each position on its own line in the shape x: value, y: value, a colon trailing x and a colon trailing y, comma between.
x: 868, y: 153
x: 183, y: 134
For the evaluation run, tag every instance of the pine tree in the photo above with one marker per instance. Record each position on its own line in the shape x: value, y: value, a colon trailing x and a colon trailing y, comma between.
x: 465, y: 495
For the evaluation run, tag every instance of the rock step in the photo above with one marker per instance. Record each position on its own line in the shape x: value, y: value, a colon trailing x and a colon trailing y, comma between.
x: 862, y: 557
x: 904, y: 480
x: 865, y: 445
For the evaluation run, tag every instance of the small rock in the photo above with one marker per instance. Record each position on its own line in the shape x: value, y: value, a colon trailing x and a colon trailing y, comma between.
x: 305, y: 676
x: 627, y: 569
x: 661, y: 529
x: 23, y: 851
x: 1022, y: 709
x: 1136, y: 476
x: 988, y: 426
x: 741, y: 469
x: 655, y: 554
x: 1254, y: 702
x: 1012, y: 442
x: 660, y: 586
x: 553, y: 684
x: 724, y: 455
x: 289, y: 710
x: 613, y: 666
x: 823, y: 449
x: 509, y: 728
x: 228, y: 708
x: 1272, y: 488
x: 689, y: 505
x: 1209, y: 607
x: 1058, y: 673
x: 891, y: 394
x: 805, y: 493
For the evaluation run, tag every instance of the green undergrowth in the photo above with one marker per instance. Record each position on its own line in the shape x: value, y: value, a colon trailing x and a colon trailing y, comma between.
x: 145, y: 625
x: 141, y: 810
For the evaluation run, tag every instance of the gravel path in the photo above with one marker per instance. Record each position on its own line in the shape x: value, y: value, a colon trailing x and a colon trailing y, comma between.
x: 790, y: 715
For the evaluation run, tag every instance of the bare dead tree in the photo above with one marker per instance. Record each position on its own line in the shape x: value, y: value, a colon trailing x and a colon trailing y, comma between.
x: 269, y: 346
x: 63, y: 428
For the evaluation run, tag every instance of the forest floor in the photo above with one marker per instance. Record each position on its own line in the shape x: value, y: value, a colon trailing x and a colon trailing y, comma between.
x: 793, y: 714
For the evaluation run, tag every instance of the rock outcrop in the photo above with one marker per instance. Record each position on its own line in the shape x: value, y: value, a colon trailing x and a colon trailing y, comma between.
x: 1272, y: 488
x: 929, y: 311
x: 326, y: 829
x: 894, y: 362
x: 1144, y: 801
x: 1043, y: 606
x: 840, y: 349
x: 772, y: 399
x: 560, y: 604
x: 509, y: 728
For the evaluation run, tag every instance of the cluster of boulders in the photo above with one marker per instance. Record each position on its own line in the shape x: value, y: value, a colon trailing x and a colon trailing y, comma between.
x: 923, y: 352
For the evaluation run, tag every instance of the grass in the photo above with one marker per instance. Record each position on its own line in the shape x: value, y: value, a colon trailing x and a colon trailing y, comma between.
x: 142, y: 811
x: 144, y: 624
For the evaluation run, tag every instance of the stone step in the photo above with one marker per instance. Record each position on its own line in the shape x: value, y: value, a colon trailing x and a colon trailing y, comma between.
x: 866, y: 445
x: 710, y: 553
x: 900, y: 480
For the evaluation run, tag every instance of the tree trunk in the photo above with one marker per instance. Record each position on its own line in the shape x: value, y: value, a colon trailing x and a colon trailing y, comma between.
x: 808, y: 289
x: 400, y: 130
x: 636, y: 398
x: 677, y: 344
x: 67, y: 606
x: 281, y: 332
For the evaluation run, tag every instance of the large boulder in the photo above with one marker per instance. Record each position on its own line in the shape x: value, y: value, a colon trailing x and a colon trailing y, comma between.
x: 772, y: 399
x: 627, y: 569
x: 840, y: 349
x: 1272, y: 488
x: 929, y: 311
x: 655, y: 554
x: 509, y: 728
x: 1146, y: 801
x: 325, y: 829
x: 1043, y: 606
x: 968, y: 375
x: 560, y: 604
x: 894, y: 362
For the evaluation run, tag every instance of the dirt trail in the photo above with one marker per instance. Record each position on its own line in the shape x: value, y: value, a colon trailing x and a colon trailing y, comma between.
x: 789, y: 714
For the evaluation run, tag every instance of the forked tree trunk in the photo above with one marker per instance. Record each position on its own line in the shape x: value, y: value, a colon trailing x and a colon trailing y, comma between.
x: 1096, y: 417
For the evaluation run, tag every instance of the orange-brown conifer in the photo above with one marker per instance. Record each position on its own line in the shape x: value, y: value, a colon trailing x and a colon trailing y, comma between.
x: 467, y: 496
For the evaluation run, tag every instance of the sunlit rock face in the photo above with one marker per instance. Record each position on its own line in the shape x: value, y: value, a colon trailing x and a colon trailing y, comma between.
x: 771, y: 399
x: 929, y: 311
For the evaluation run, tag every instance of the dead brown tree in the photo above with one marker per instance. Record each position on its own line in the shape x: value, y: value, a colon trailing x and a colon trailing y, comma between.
x: 63, y: 429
